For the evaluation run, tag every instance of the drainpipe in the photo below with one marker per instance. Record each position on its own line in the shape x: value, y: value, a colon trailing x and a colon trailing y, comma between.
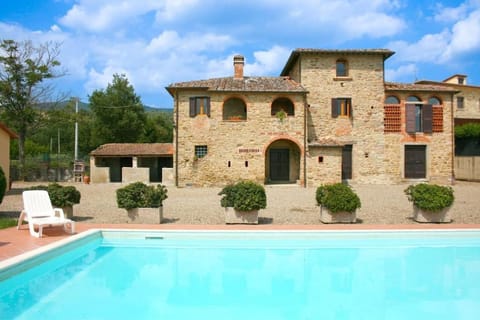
x: 452, y: 118
x: 176, y: 138
x: 305, y: 109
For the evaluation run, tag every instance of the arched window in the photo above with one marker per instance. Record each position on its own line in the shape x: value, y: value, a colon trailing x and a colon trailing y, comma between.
x: 434, y: 101
x: 341, y: 68
x: 413, y: 99
x: 283, y: 104
x: 392, y: 100
x: 234, y: 109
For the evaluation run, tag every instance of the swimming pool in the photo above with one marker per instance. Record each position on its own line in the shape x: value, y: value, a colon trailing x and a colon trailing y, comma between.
x: 250, y: 275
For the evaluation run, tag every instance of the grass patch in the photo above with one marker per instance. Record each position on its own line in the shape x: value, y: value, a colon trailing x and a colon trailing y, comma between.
x: 7, y: 222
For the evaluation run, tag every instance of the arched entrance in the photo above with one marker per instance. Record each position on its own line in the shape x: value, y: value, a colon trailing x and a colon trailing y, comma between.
x: 282, y: 162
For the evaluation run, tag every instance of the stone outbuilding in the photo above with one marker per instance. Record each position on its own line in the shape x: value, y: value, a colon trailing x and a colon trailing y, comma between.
x: 131, y: 162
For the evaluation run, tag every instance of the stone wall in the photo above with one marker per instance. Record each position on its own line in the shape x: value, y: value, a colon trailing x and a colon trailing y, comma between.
x: 364, y: 129
x: 236, y: 149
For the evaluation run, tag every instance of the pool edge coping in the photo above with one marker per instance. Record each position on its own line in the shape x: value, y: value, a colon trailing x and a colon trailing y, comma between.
x: 31, y: 257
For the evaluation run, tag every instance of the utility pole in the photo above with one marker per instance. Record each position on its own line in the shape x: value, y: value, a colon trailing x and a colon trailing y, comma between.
x: 76, y: 129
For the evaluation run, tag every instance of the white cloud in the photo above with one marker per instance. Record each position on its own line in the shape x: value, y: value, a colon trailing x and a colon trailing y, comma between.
x: 465, y: 37
x: 429, y: 48
x: 448, y: 14
x: 172, y: 9
x: 268, y: 61
x: 171, y: 40
x: 404, y: 73
x: 346, y: 19
x: 450, y: 44
x: 108, y: 15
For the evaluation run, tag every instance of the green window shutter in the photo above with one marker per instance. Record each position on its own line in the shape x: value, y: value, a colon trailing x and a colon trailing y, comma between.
x: 410, y: 118
x: 334, y: 108
x: 427, y: 114
x: 192, y: 107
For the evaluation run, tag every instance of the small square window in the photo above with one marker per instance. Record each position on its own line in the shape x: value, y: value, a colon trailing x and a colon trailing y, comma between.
x: 200, y: 151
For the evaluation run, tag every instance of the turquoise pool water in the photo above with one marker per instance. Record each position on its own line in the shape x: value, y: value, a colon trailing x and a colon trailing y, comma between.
x: 262, y: 275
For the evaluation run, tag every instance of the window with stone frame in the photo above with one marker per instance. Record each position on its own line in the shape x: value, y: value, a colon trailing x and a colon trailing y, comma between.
x: 201, y: 151
x: 341, y: 107
x: 341, y: 68
x: 419, y: 118
x: 199, y: 106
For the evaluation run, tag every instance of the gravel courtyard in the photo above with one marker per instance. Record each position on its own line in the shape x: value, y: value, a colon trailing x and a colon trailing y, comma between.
x: 286, y: 204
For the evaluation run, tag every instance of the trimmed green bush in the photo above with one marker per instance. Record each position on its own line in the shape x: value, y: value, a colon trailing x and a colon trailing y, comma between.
x: 337, y: 197
x: 244, y: 196
x: 139, y: 195
x: 430, y: 197
x: 3, y: 184
x: 61, y: 196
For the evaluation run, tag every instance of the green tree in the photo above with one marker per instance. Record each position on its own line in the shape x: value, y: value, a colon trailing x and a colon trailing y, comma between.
x: 159, y: 128
x: 119, y: 115
x: 23, y: 70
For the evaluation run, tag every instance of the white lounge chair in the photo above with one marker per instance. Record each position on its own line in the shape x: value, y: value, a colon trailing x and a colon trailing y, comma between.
x: 38, y: 211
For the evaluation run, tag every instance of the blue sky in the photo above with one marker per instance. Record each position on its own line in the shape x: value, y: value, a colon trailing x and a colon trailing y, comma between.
x: 157, y: 42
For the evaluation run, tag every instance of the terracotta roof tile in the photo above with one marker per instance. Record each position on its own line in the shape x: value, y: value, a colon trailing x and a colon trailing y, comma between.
x: 394, y: 86
x: 252, y: 84
x: 134, y: 149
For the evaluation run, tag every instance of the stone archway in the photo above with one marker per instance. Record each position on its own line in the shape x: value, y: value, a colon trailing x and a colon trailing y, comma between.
x: 282, y: 162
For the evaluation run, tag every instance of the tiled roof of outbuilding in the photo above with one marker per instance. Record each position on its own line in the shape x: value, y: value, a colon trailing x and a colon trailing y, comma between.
x: 246, y: 84
x: 134, y: 149
x: 393, y: 86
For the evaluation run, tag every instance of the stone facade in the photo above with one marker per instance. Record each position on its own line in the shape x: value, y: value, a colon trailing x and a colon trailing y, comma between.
x: 334, y: 128
x: 236, y: 149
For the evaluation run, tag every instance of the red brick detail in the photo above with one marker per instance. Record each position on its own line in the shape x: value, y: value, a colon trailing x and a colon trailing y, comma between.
x: 437, y: 119
x: 392, y: 118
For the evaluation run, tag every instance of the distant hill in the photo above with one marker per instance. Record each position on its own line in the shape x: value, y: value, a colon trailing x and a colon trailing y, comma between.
x: 86, y: 106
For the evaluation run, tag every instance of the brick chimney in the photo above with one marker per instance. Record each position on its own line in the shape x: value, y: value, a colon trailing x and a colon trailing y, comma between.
x: 238, y: 63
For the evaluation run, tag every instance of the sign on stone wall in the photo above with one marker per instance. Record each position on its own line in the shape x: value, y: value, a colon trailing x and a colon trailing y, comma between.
x: 248, y: 150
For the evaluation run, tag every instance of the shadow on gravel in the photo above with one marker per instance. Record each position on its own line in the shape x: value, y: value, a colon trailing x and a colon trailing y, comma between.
x: 170, y: 220
x: 79, y: 219
x: 264, y: 220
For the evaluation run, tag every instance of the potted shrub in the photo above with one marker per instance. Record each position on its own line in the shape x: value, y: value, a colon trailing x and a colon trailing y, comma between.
x: 431, y: 202
x: 62, y: 197
x: 142, y: 201
x: 242, y: 202
x: 338, y: 203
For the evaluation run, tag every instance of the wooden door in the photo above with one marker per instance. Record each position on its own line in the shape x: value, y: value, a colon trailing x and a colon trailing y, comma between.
x: 415, y: 162
x: 279, y: 165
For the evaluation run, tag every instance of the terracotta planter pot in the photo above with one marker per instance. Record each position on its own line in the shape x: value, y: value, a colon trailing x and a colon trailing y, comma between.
x: 338, y: 217
x: 244, y: 217
x: 145, y: 215
x: 424, y: 216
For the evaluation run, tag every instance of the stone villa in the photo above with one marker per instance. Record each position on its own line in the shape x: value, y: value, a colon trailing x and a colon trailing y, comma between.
x: 329, y: 116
